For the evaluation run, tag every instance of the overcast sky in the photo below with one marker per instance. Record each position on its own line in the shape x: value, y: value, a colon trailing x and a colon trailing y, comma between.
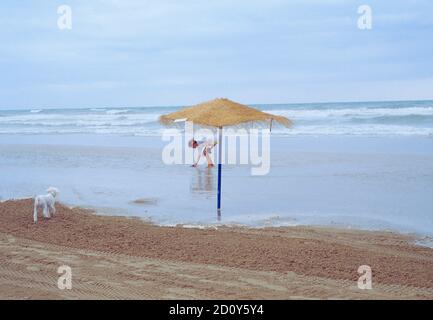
x: 171, y: 52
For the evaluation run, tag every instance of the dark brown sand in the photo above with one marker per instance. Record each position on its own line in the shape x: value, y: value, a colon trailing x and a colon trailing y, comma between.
x: 400, y: 269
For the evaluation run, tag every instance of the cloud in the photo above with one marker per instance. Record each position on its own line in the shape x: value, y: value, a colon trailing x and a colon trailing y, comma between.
x: 160, y: 52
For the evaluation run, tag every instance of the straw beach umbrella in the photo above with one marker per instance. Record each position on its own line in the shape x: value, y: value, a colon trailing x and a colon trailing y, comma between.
x: 219, y: 113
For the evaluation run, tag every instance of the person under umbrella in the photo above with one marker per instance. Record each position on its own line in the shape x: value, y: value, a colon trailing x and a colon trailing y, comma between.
x: 204, y: 148
x: 219, y: 113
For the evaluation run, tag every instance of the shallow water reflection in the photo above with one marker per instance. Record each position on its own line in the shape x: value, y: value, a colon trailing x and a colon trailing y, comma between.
x: 202, y: 181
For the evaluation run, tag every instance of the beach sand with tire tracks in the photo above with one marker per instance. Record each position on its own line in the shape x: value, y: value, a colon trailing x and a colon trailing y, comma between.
x: 126, y: 258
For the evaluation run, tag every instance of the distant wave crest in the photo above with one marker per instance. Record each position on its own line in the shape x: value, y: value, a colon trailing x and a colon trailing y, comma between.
x: 371, y: 119
x: 117, y: 111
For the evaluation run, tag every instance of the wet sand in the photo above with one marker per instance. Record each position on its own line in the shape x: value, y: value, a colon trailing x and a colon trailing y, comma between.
x: 117, y: 257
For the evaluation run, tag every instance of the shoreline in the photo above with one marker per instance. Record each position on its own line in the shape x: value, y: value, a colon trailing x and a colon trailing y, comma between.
x: 308, y: 254
x: 416, y: 238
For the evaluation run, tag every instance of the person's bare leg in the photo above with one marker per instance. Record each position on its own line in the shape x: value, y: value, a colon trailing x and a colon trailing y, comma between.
x: 209, y: 160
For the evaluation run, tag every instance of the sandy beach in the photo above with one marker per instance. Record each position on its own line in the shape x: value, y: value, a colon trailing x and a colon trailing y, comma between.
x: 126, y: 258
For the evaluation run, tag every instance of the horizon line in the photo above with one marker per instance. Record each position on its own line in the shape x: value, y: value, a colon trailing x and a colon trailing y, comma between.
x: 186, y: 105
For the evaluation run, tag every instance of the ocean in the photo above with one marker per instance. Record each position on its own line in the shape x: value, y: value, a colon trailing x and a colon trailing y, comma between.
x: 402, y: 118
x: 355, y: 165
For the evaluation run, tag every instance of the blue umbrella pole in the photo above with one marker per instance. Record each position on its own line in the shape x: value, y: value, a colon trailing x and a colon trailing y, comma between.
x: 220, y: 149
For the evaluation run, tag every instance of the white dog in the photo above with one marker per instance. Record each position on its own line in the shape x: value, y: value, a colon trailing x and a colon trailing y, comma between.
x: 47, y: 202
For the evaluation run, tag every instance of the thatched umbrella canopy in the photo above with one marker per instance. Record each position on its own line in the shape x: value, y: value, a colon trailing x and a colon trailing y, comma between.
x: 221, y: 113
